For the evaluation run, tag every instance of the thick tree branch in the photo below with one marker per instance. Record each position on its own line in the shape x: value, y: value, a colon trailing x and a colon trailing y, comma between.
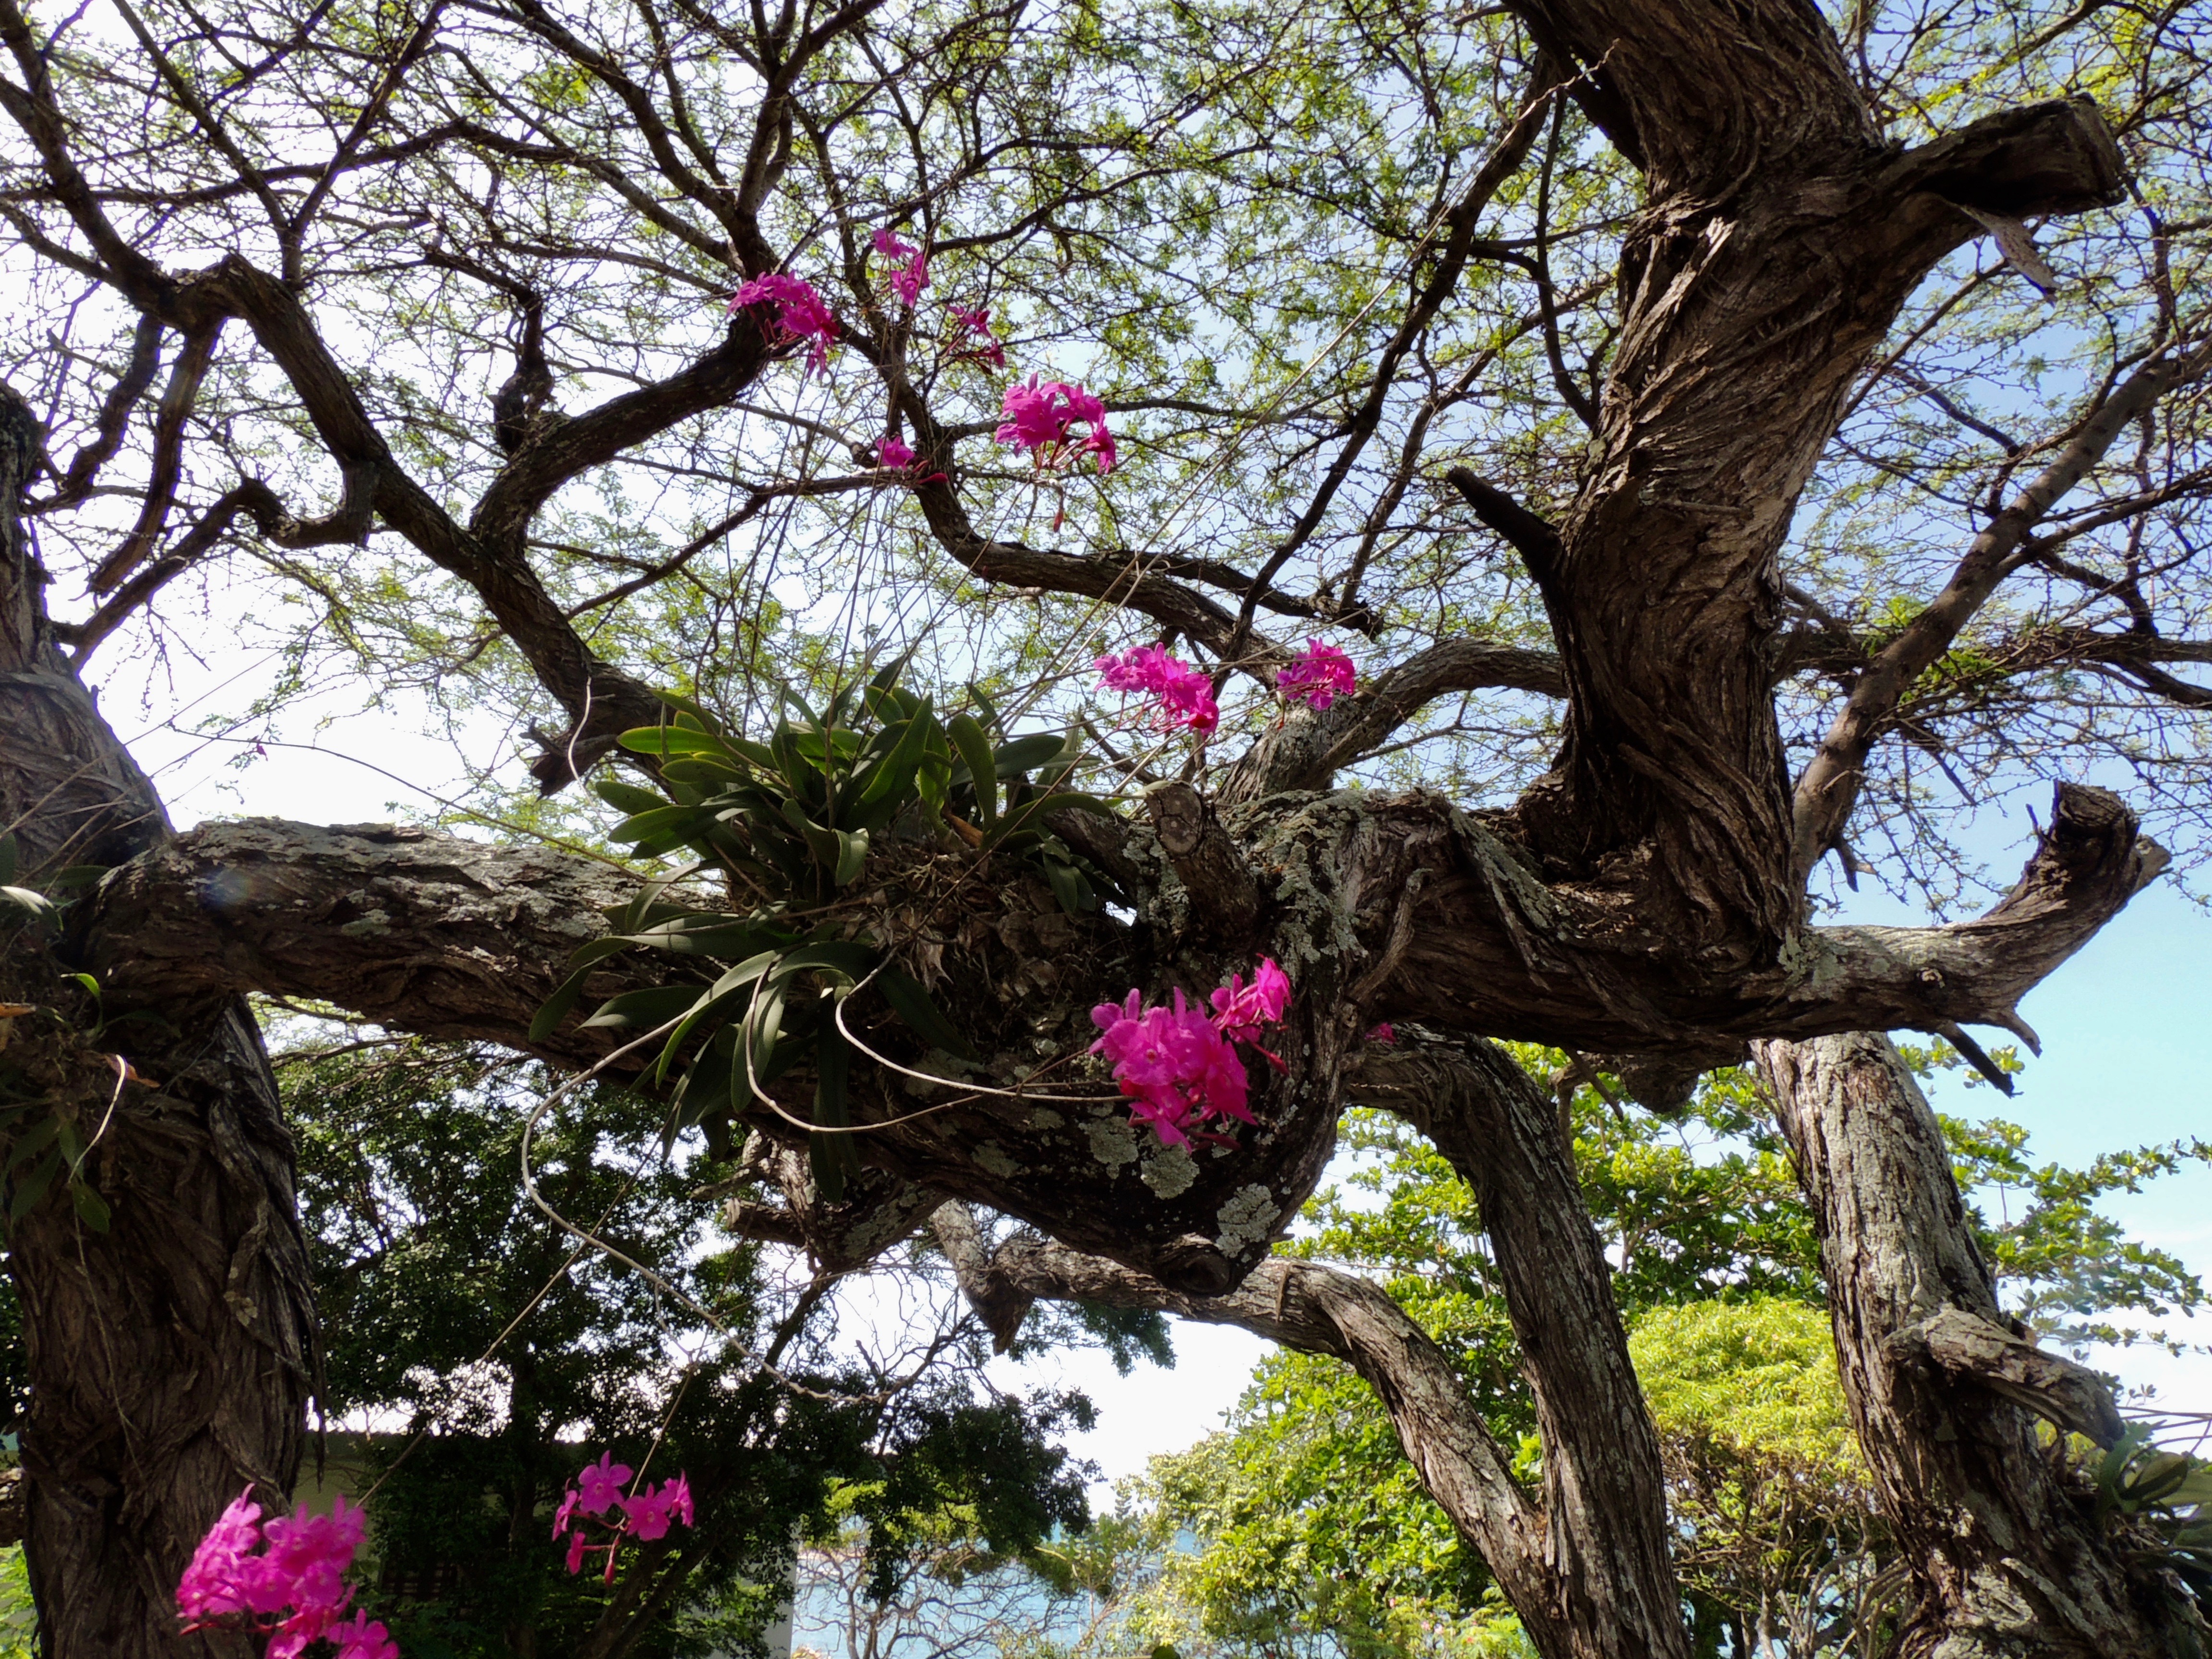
x: 999, y: 1304
x: 1604, y: 1493
x: 431, y: 933
x: 123, y: 397
x: 1223, y: 891
x: 2007, y: 1559
x: 1975, y: 1348
x: 1318, y: 1310
x: 1306, y: 750
x: 1699, y: 94
x: 140, y: 1426
x: 1536, y: 541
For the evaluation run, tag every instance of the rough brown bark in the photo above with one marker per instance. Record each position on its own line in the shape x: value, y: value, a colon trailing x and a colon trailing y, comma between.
x: 455, y: 937
x: 1613, y: 1578
x: 1779, y: 239
x: 169, y: 1354
x: 2007, y: 1558
x: 1318, y: 1310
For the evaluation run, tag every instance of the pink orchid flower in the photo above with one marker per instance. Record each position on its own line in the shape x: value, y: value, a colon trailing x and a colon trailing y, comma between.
x: 1186, y: 696
x: 800, y: 315
x: 600, y: 1486
x: 1318, y: 677
x: 976, y: 324
x: 1039, y: 416
x: 1240, y: 1010
x: 363, y: 1637
x: 909, y: 279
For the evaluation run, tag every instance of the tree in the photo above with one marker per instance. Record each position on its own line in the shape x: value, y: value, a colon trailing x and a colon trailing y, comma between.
x: 1699, y: 500
x: 425, y: 1254
x: 1308, y: 1519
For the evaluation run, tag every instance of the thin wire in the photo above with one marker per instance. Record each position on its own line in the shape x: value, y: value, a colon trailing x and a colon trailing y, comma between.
x: 591, y: 1239
x: 1137, y: 568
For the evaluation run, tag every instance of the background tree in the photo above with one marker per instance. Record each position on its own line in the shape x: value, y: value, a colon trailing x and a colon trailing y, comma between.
x: 457, y: 1311
x: 1507, y: 344
x: 1309, y: 1522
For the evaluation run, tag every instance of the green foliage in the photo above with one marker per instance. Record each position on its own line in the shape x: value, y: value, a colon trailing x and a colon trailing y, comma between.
x: 2167, y: 1496
x: 789, y: 822
x: 19, y: 1617
x: 1308, y: 1521
x: 1773, y: 1513
x: 423, y: 1251
x: 1757, y: 1378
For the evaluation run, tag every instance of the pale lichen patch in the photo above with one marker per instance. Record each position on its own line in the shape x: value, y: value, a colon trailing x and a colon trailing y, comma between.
x: 1246, y: 1221
x: 1113, y: 1142
x: 1169, y: 1172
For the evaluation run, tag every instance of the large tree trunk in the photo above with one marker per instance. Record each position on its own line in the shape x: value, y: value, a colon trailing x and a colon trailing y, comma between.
x: 1604, y: 1493
x: 169, y: 1351
x: 1588, y: 1570
x: 2005, y: 1555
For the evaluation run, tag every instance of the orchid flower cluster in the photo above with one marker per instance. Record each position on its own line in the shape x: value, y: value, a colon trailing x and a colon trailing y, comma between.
x: 909, y: 277
x: 975, y: 325
x: 283, y: 1579
x: 598, y: 1494
x: 1178, y: 1065
x: 1041, y: 416
x: 1317, y: 678
x: 800, y: 313
x: 1185, y: 696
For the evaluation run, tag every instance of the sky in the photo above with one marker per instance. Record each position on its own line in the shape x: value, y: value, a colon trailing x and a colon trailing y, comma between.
x: 2121, y: 1026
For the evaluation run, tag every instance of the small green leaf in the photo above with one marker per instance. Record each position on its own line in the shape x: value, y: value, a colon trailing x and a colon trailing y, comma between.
x: 627, y: 797
x: 33, y: 1187
x: 832, y: 1158
x: 692, y: 707
x: 1070, y: 887
x: 643, y: 1010
x: 91, y: 1208
x: 554, y: 1008
x: 1024, y: 755
x: 982, y: 773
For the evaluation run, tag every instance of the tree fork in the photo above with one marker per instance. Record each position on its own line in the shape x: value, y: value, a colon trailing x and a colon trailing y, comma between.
x: 169, y: 1355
